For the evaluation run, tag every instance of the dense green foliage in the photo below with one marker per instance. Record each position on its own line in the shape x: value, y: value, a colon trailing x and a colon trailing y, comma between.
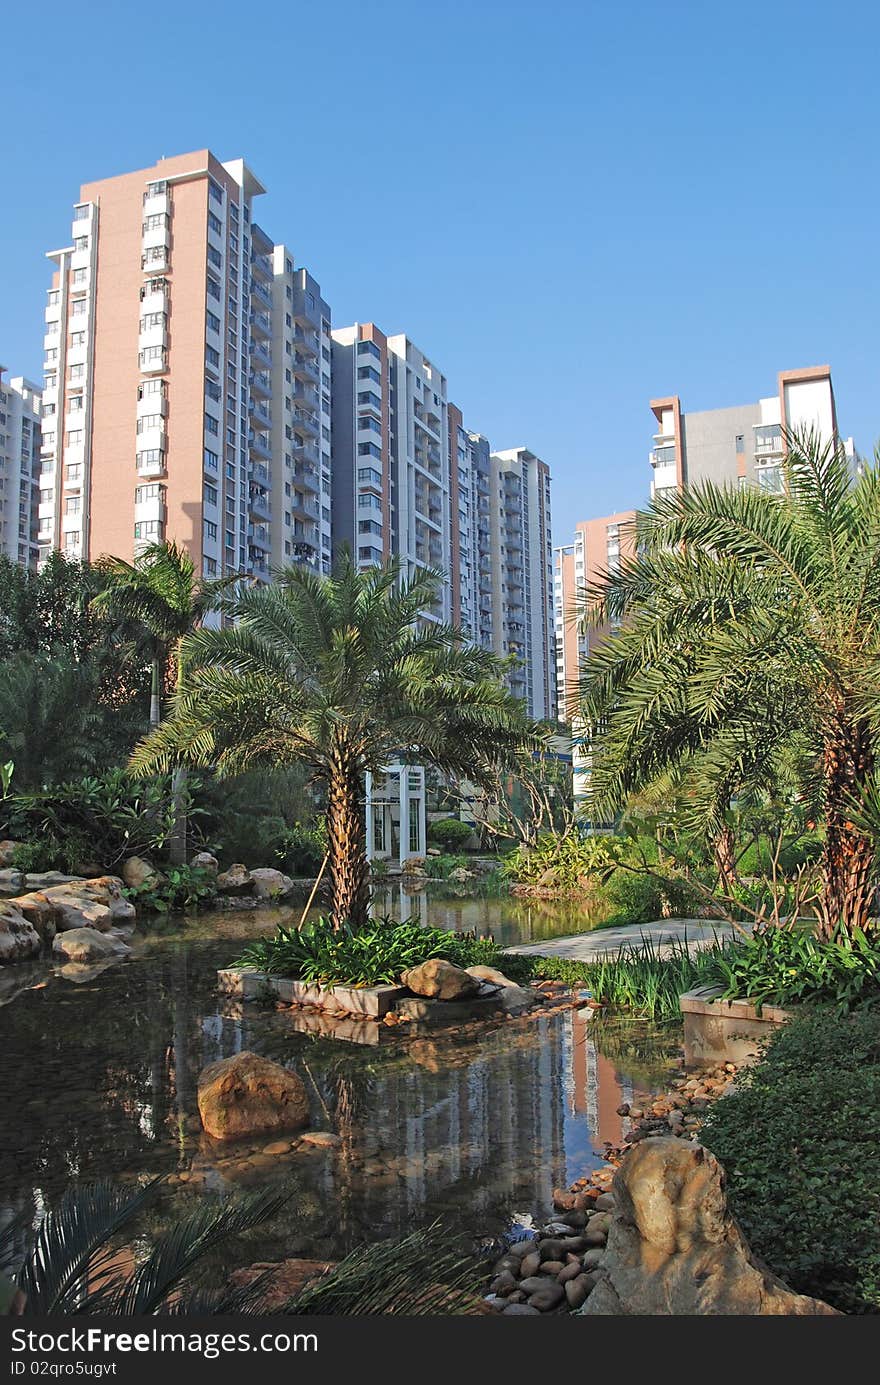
x: 450, y: 833
x: 366, y: 956
x: 340, y: 675
x: 799, y: 1137
x: 177, y: 888
x: 745, y: 655
x: 96, y: 820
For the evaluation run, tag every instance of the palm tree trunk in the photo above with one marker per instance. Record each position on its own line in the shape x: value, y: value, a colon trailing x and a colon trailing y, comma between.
x: 848, y: 857
x: 177, y: 841
x: 347, y: 843
x: 725, y: 857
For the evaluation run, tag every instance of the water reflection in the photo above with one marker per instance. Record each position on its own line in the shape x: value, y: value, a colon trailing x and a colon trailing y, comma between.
x: 508, y: 919
x: 100, y: 1081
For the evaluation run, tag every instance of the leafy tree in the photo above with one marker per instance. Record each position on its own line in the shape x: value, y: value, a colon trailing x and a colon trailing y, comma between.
x: 341, y: 674
x: 161, y: 592
x: 749, y: 636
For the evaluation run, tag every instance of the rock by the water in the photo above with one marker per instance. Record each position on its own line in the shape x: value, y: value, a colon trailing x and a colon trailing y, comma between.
x: 549, y: 1296
x: 271, y: 884
x: 41, y: 912
x: 674, y: 1248
x: 7, y: 850
x: 203, y: 860
x: 519, y: 1310
x: 323, y: 1139
x: 492, y: 974
x: 19, y: 938
x: 440, y: 980
x: 136, y: 872
x: 11, y: 882
x: 237, y: 880
x: 250, y: 1095
x: 87, y: 945
x: 413, y: 865
x: 284, y: 1279
x: 79, y: 911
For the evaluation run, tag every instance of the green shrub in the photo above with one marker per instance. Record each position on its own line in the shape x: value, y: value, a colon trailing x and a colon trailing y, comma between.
x: 181, y: 887
x: 35, y: 857
x: 449, y: 832
x: 300, y: 850
x: 441, y: 867
x: 636, y: 898
x: 369, y: 956
x: 799, y: 1137
x: 779, y: 967
x: 100, y: 819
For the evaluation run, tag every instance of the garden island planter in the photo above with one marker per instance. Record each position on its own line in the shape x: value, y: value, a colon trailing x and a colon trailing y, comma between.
x: 720, y: 1031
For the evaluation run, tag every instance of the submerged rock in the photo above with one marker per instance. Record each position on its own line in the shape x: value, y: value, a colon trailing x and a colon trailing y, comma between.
x: 674, y: 1247
x: 250, y: 1095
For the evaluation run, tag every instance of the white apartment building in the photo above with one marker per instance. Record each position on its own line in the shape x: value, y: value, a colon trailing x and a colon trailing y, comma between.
x: 391, y: 456
x: 522, y: 575
x: 745, y: 444
x: 20, y: 419
x: 301, y: 437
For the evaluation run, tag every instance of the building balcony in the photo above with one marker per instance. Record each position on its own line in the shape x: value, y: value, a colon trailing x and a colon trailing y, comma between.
x: 261, y: 384
x: 259, y: 446
x: 261, y: 352
x: 306, y: 341
x: 260, y: 295
x: 306, y: 368
x: 259, y: 506
x: 258, y: 537
x: 306, y: 420
x: 261, y: 326
x: 308, y: 477
x: 261, y: 416
x: 304, y: 505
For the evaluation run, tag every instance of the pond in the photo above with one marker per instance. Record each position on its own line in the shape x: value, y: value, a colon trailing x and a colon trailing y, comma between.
x: 474, y: 1127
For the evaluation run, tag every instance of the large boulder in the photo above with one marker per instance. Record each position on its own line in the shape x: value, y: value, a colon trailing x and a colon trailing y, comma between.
x: 87, y: 945
x: 7, y: 849
x: 250, y: 1095
x: 80, y: 911
x: 18, y: 937
x: 413, y: 865
x: 237, y: 880
x: 492, y: 975
x: 675, y: 1249
x: 271, y: 884
x: 137, y: 872
x: 440, y: 980
x: 41, y: 912
x: 203, y: 860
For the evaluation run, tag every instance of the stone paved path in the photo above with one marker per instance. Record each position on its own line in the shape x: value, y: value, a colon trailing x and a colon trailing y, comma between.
x: 663, y: 933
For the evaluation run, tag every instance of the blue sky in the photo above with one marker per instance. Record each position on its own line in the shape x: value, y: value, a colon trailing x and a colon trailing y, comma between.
x: 571, y: 207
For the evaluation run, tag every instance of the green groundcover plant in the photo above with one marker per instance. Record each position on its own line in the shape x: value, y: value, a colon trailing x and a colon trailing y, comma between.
x: 370, y: 956
x: 799, y: 1137
x: 774, y: 967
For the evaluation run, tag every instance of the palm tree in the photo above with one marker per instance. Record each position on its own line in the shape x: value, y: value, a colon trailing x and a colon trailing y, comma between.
x: 749, y: 640
x: 341, y: 674
x: 161, y: 592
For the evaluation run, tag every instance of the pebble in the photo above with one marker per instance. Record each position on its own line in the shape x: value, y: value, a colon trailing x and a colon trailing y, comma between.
x: 532, y: 1283
x: 571, y: 1271
x: 593, y: 1257
x: 530, y: 1264
x: 549, y: 1297
x: 553, y: 1267
x: 521, y: 1310
x: 576, y: 1291
x: 278, y: 1147
x: 605, y: 1203
x: 503, y: 1283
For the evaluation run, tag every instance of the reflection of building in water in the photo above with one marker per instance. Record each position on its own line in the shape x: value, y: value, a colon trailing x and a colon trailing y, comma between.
x: 482, y: 1124
x: 598, y: 1087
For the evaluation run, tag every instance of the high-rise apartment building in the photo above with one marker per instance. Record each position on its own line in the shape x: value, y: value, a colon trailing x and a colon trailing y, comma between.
x: 744, y: 444
x: 165, y: 343
x: 522, y: 575
x: 20, y: 419
x: 301, y: 436
x: 393, y: 478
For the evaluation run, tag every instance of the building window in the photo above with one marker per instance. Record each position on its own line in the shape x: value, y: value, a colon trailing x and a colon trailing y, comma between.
x: 209, y: 529
x: 211, y: 425
x: 74, y: 473
x: 215, y: 224
x: 144, y: 493
x: 155, y: 221
x: 740, y: 443
x: 149, y: 529
x: 72, y: 505
x: 211, y: 494
x: 149, y: 421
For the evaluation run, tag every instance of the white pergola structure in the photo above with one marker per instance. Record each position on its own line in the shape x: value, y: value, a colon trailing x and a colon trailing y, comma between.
x: 396, y: 820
